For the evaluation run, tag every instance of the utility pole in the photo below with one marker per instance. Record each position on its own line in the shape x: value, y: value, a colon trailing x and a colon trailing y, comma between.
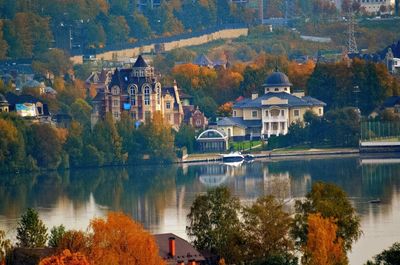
x: 351, y: 41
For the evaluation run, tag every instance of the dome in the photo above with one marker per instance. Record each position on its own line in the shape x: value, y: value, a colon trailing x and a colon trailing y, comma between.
x: 277, y: 79
x: 3, y: 99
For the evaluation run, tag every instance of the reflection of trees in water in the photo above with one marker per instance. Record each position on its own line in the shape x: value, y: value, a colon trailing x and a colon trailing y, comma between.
x: 344, y: 172
x: 15, y: 193
x: 380, y: 180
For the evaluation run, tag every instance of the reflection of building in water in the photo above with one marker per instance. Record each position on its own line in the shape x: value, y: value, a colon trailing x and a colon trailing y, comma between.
x: 277, y: 184
x: 214, y: 175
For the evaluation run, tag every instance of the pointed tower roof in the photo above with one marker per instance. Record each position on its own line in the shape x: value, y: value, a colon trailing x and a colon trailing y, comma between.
x: 140, y: 62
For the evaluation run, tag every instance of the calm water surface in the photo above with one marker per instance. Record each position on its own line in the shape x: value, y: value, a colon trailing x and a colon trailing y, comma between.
x: 160, y: 197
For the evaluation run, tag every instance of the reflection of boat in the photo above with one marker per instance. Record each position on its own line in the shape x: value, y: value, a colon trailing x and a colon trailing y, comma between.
x: 249, y: 158
x: 375, y: 201
x: 232, y: 157
x: 234, y: 164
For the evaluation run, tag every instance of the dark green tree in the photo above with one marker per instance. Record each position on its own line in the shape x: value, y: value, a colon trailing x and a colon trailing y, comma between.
x: 31, y: 232
x: 389, y: 256
x: 185, y: 137
x: 45, y: 145
x: 56, y: 235
x: 266, y: 226
x: 214, y: 224
x: 330, y: 201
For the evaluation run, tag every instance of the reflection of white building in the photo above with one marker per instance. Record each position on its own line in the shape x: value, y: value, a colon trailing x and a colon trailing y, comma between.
x: 277, y: 184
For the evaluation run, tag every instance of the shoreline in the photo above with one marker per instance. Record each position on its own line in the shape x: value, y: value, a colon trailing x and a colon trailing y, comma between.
x: 277, y: 153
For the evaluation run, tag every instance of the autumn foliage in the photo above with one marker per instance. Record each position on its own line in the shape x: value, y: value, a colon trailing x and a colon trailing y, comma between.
x: 120, y: 240
x: 65, y: 258
x: 323, y: 246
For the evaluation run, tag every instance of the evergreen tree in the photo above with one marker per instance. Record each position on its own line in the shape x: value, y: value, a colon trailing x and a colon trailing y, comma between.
x: 31, y: 232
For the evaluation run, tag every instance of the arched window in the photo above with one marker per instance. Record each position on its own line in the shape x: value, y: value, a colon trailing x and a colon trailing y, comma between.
x: 132, y: 93
x: 146, y: 95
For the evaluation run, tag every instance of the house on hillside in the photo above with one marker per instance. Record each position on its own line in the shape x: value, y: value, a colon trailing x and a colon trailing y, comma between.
x: 204, y: 61
x: 192, y: 115
x: 4, y: 106
x: 28, y: 106
x: 175, y: 250
x: 137, y: 91
x: 390, y: 105
x: 98, y: 80
x: 260, y: 117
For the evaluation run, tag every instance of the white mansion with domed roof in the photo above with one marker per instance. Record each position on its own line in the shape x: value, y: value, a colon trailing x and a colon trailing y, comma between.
x: 270, y: 114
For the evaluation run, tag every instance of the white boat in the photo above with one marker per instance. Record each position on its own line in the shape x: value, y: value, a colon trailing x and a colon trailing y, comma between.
x: 249, y: 158
x: 232, y: 157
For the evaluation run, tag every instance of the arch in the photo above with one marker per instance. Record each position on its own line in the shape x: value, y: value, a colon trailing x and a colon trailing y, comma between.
x: 132, y: 91
x: 211, y: 133
x: 146, y: 90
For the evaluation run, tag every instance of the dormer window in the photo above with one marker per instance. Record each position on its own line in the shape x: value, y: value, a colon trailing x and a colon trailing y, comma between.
x: 276, y: 89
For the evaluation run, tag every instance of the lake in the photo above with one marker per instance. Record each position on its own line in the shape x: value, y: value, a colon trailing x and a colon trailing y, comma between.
x: 160, y: 196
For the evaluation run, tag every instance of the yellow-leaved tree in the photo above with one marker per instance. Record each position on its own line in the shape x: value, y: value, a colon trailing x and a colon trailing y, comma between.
x: 323, y: 246
x: 120, y: 240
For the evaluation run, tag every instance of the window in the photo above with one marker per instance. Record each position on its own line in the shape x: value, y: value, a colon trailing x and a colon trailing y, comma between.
x: 234, y: 113
x: 320, y: 111
x: 133, y: 115
x: 282, y: 112
x: 168, y: 117
x: 296, y: 113
x: 158, y: 95
x: 276, y: 89
x: 168, y: 105
x: 116, y: 103
x: 115, y: 90
x: 266, y: 113
x: 116, y: 115
x: 282, y: 126
x: 254, y: 114
x: 198, y: 122
x: 146, y: 95
x: 132, y: 92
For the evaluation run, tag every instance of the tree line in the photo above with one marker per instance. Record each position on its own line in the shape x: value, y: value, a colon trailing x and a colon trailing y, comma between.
x: 116, y: 239
x: 27, y: 147
x: 322, y: 228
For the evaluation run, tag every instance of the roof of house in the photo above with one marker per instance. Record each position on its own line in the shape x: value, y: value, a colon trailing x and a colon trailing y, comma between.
x: 277, y: 79
x: 238, y: 121
x: 293, y: 101
x: 203, y: 60
x: 3, y: 99
x: 391, y: 102
x: 184, y: 250
x: 140, y: 62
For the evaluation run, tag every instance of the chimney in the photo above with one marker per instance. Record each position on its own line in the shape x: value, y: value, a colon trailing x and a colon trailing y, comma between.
x: 254, y: 95
x: 171, y: 243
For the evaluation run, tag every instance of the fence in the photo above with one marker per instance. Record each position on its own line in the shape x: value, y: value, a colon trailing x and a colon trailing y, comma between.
x: 380, y: 130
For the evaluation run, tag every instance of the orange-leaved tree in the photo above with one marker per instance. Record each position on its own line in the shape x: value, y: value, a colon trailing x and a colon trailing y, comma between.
x: 120, y: 240
x: 323, y: 246
x: 65, y: 258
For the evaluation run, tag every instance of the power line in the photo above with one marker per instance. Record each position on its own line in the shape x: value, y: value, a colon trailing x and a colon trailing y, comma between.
x: 351, y: 42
